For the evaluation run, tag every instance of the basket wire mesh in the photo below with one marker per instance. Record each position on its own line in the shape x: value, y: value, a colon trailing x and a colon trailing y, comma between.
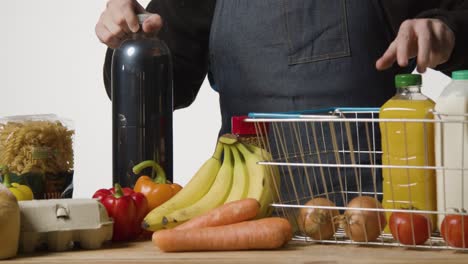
x: 336, y: 153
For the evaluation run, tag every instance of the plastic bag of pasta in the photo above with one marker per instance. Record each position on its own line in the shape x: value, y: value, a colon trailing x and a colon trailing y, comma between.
x: 37, y: 151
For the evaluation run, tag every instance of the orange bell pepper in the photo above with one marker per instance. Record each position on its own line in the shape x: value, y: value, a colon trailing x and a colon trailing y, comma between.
x: 157, y: 190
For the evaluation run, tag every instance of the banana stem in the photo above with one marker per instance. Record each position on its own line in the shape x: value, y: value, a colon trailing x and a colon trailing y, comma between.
x: 160, y: 174
x: 228, y: 139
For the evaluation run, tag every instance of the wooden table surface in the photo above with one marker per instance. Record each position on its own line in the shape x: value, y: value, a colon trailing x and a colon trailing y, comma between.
x: 295, y: 252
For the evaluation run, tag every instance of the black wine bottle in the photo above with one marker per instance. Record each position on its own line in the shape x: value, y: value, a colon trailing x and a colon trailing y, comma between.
x: 142, y: 105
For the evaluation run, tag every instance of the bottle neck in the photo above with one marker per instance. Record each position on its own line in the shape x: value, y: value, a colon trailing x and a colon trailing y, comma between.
x: 409, y: 90
x: 141, y: 34
x: 410, y: 93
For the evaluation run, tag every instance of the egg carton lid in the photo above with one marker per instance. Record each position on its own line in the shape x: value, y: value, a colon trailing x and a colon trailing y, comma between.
x: 62, y: 215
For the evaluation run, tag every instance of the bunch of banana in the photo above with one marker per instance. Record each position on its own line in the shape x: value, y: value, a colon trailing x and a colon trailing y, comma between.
x: 272, y: 181
x: 238, y: 176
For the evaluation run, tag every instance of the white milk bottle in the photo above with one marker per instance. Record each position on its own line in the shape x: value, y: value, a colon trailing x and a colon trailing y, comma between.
x: 451, y: 145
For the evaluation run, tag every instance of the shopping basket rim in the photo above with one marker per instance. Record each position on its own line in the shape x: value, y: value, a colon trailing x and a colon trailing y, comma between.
x: 302, y: 113
x: 336, y: 114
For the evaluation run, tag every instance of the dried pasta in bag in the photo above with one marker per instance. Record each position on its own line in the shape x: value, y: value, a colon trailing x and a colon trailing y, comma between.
x: 38, y: 146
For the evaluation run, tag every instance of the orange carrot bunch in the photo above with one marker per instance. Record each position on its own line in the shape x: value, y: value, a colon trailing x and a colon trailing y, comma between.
x: 228, y: 227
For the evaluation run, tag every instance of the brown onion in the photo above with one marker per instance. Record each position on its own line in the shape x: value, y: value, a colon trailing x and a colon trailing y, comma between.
x: 361, y: 225
x: 318, y: 223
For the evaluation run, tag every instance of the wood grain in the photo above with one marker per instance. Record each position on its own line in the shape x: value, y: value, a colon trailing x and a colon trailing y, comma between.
x: 145, y: 252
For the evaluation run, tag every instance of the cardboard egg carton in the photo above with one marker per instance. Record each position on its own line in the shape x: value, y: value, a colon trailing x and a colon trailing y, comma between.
x: 61, y: 224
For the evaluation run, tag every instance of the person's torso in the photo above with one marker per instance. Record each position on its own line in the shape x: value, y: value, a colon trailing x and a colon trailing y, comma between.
x: 281, y: 55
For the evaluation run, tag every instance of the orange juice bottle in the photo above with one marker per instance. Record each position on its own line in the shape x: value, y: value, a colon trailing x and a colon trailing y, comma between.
x: 408, y: 144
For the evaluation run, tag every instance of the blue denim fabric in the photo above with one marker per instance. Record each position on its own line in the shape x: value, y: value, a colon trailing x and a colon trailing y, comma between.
x: 326, y: 39
x: 284, y: 55
x: 287, y: 55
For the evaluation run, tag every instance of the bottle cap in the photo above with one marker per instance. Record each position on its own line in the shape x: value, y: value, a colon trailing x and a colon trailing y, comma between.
x: 460, y: 75
x: 402, y: 80
x: 142, y: 18
x: 240, y: 127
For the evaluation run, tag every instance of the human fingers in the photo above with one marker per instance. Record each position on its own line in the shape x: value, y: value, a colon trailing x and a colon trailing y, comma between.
x: 106, y: 37
x: 388, y: 58
x: 128, y: 19
x: 119, y: 19
x: 442, y: 42
x: 153, y: 23
x: 424, y: 35
x: 406, y: 43
x: 114, y: 25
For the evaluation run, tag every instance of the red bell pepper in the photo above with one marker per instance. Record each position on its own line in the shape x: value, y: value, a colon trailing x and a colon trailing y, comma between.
x: 127, y: 208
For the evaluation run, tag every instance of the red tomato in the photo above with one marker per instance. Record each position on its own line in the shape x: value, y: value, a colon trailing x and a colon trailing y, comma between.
x: 454, y: 230
x: 403, y: 224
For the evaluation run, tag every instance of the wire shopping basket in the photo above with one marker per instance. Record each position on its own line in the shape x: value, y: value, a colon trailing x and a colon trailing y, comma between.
x: 339, y: 184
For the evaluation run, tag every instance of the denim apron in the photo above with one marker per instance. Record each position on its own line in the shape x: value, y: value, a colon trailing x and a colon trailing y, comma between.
x: 289, y: 55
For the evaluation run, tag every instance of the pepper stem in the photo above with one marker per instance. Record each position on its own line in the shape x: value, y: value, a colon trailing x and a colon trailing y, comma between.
x: 118, y: 191
x: 160, y: 173
x: 6, y: 176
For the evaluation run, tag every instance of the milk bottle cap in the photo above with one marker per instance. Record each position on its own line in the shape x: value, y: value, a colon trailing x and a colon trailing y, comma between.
x: 460, y: 75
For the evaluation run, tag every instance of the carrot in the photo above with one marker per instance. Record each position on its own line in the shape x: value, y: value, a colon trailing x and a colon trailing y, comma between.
x: 266, y: 233
x: 229, y: 213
